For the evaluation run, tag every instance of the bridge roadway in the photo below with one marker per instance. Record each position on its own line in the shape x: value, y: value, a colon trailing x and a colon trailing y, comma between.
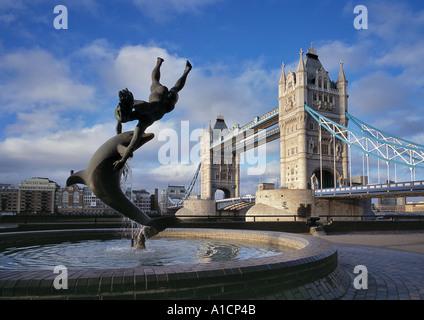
x: 235, y: 203
x: 228, y: 204
x: 238, y: 139
x: 384, y: 190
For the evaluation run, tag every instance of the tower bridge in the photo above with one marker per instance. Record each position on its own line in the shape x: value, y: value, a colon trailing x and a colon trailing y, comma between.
x: 311, y: 121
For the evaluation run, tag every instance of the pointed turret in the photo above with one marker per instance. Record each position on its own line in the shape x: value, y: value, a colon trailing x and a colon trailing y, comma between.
x: 301, y: 65
x: 301, y: 74
x: 342, y: 77
x: 283, y: 75
x: 342, y: 88
x: 282, y: 83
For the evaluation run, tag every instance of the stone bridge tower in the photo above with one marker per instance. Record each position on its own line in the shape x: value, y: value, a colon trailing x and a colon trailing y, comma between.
x: 300, y: 145
x: 220, y: 169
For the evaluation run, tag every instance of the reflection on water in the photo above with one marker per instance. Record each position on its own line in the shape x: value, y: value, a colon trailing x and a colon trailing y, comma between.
x: 98, y: 254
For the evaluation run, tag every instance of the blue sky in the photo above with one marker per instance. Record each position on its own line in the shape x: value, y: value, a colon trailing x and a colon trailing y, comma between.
x: 58, y: 88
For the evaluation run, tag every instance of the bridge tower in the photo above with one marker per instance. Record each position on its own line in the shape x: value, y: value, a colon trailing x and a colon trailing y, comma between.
x: 220, y: 169
x: 302, y: 152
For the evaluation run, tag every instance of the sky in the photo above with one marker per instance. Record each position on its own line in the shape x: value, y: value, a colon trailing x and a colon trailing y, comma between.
x: 59, y: 87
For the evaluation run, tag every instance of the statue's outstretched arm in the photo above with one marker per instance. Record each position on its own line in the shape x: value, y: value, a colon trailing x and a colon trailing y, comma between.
x: 130, y: 149
x: 119, y: 127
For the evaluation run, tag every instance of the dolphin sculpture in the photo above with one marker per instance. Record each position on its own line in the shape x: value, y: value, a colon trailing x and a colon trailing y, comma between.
x: 104, y: 182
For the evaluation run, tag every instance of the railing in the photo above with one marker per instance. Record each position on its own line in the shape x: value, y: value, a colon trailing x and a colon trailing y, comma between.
x: 229, y: 219
x: 297, y: 218
x: 56, y: 218
x: 404, y: 187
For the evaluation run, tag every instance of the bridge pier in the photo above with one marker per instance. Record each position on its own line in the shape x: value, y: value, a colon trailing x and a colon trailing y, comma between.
x: 287, y: 204
x: 197, y: 208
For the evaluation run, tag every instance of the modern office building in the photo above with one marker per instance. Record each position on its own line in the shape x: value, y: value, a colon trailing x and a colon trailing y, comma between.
x: 8, y: 198
x: 37, y: 195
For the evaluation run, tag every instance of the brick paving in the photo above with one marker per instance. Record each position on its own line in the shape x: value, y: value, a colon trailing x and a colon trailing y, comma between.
x: 392, y: 274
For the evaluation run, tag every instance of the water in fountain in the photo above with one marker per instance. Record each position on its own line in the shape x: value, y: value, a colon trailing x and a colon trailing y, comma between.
x: 131, y: 229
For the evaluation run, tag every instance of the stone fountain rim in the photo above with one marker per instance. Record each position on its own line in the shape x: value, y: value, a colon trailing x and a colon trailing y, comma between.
x: 309, y: 247
x: 314, y: 259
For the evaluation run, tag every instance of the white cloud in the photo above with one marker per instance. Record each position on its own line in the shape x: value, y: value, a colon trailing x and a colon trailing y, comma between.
x: 356, y: 57
x: 395, y: 22
x: 38, y: 122
x: 376, y: 93
x: 51, y: 155
x: 35, y: 77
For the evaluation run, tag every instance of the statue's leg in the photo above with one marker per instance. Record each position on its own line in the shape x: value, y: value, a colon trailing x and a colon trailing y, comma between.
x: 181, y: 81
x: 156, y: 75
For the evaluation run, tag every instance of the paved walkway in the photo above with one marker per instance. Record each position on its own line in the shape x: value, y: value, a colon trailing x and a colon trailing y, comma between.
x: 405, y: 241
x: 394, y: 262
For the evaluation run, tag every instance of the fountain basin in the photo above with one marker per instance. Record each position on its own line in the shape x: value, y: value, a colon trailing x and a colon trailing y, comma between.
x: 313, y: 259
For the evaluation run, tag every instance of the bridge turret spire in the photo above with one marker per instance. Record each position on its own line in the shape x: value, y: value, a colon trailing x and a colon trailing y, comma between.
x: 301, y: 65
x: 283, y: 75
x: 342, y: 76
x: 282, y: 83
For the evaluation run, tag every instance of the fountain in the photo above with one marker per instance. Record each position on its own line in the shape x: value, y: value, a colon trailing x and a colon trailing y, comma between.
x: 308, y: 258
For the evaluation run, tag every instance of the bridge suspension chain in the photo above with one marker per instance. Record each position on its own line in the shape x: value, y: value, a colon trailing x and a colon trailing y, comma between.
x: 374, y: 142
x: 189, y: 189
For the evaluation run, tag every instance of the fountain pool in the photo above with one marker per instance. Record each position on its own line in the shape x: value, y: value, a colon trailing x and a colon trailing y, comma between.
x: 117, y: 253
x: 253, y: 271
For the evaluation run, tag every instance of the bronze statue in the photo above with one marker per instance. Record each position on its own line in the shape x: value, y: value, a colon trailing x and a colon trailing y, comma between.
x: 161, y: 101
x: 104, y: 170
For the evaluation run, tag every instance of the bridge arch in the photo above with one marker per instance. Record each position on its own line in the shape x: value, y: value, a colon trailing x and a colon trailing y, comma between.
x: 327, y: 178
x: 221, y: 193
